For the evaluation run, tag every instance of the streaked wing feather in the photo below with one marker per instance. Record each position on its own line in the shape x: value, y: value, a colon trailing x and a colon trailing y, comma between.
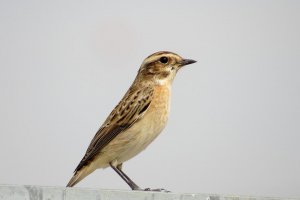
x: 130, y: 109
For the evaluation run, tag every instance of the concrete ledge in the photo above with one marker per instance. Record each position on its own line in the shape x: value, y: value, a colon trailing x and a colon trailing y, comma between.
x: 11, y: 192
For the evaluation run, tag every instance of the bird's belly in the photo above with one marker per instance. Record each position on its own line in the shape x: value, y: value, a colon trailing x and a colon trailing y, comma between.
x: 135, y: 139
x: 140, y: 136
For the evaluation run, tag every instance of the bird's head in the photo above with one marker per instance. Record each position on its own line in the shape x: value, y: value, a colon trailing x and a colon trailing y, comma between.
x: 162, y: 67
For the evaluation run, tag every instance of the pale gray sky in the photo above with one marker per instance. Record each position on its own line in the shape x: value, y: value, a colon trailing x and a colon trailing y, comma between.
x: 235, y: 117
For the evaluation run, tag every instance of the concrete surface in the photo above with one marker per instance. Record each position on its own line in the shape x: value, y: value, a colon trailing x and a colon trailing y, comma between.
x: 12, y: 192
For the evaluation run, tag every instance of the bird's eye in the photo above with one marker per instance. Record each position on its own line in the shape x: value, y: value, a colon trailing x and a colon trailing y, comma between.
x: 164, y: 60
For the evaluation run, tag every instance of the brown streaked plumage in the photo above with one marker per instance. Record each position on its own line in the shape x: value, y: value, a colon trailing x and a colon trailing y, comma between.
x: 136, y: 121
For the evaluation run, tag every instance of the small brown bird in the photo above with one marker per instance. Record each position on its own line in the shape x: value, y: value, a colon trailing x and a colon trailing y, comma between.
x: 136, y: 121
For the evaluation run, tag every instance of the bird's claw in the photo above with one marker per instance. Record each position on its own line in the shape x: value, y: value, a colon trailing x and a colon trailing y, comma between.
x: 156, y: 190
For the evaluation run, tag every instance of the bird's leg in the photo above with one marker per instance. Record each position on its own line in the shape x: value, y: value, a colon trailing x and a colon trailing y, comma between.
x: 131, y: 184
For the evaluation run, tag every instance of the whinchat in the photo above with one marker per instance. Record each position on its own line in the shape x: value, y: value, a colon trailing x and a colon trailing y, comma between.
x: 136, y: 121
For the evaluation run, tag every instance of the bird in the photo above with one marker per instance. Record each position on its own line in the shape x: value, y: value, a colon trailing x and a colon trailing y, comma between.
x: 136, y: 121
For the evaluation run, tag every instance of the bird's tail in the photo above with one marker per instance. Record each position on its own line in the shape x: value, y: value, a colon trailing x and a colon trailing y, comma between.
x: 79, y: 175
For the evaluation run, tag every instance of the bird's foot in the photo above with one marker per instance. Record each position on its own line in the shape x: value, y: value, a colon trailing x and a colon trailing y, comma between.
x: 157, y: 190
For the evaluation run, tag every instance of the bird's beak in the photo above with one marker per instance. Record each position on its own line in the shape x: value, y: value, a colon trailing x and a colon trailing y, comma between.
x: 187, y: 62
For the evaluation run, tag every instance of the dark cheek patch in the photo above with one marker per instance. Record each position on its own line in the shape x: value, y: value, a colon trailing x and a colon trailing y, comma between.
x: 154, y: 68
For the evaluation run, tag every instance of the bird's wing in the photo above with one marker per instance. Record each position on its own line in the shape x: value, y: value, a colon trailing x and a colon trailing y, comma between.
x: 130, y: 109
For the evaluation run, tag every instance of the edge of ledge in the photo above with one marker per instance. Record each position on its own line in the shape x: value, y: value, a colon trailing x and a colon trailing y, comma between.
x: 32, y: 192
